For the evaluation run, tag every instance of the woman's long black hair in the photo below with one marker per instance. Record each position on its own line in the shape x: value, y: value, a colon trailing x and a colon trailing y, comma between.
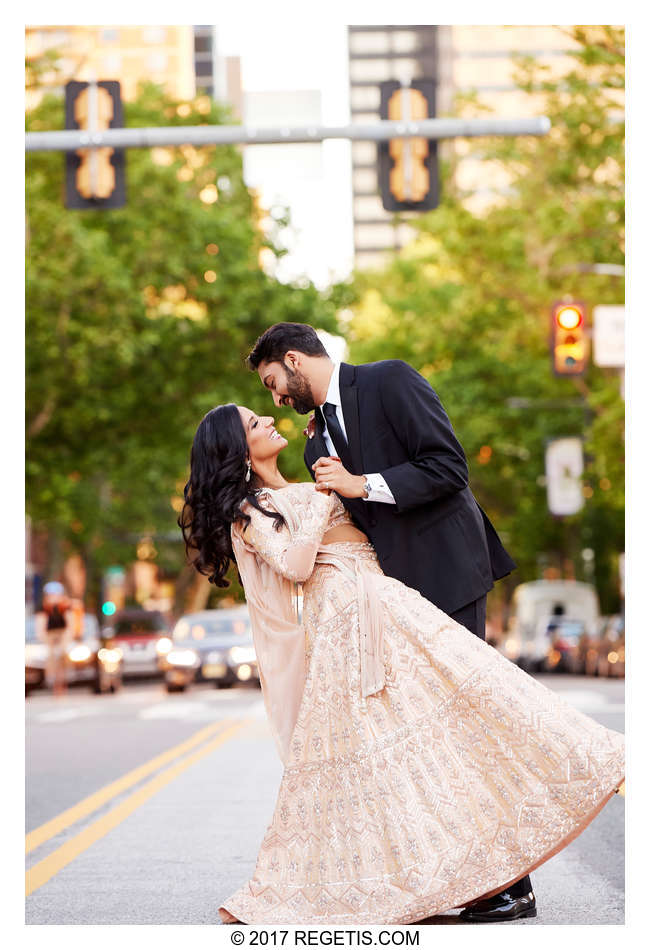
x: 215, y: 491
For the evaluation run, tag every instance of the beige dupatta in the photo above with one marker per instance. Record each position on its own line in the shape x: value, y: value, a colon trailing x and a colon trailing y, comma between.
x: 278, y: 635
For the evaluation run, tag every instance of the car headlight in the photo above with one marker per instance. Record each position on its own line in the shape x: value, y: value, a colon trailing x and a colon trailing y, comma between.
x: 183, y: 658
x: 242, y: 654
x: 163, y: 646
x: 35, y: 653
x: 79, y: 653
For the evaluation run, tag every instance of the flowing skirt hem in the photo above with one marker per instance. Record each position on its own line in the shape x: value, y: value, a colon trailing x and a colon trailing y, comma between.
x: 235, y: 905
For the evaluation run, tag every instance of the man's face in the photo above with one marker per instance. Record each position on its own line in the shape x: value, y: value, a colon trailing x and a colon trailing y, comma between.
x: 288, y: 386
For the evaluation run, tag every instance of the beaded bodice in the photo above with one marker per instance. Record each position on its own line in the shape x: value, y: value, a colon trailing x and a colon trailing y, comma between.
x: 338, y: 515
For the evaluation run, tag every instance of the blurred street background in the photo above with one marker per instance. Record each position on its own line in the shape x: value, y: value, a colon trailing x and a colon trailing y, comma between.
x: 494, y: 265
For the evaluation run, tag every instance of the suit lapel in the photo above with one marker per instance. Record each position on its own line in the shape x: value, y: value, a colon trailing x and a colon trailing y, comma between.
x: 350, y: 406
x: 315, y: 447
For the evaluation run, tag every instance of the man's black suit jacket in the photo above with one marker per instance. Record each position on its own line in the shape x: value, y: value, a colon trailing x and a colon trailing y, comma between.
x: 436, y: 538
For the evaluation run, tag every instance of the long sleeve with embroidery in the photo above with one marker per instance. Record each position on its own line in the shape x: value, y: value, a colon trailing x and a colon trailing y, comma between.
x: 291, y: 550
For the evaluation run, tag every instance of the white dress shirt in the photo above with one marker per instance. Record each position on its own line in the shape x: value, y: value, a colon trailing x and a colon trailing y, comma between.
x: 379, y: 490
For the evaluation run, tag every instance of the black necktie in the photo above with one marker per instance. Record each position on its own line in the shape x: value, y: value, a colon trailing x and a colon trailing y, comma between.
x: 336, y: 435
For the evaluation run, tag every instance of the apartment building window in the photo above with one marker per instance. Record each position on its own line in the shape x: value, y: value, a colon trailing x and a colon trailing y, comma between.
x: 112, y: 64
x: 202, y: 44
x: 109, y: 35
x: 406, y: 42
x: 154, y: 34
x: 157, y: 62
x: 364, y: 98
x: 368, y: 42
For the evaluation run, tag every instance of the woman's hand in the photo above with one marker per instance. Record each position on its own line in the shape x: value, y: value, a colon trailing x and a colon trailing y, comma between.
x: 332, y: 476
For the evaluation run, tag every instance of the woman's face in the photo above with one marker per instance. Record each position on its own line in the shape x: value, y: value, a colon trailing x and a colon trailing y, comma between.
x: 264, y: 442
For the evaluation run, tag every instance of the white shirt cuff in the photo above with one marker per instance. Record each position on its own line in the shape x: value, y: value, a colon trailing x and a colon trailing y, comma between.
x: 379, y: 490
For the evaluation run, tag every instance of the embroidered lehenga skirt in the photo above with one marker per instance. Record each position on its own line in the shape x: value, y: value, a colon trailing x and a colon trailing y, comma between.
x: 461, y: 775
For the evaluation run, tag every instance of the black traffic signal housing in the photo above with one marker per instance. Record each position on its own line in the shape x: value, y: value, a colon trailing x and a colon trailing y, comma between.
x: 408, y: 167
x: 94, y: 178
x: 569, y: 340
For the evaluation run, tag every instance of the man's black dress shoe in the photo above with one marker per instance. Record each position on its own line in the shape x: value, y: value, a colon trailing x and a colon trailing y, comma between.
x: 503, y: 906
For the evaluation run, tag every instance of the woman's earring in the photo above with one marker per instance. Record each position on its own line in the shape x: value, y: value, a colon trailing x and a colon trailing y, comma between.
x: 248, y: 470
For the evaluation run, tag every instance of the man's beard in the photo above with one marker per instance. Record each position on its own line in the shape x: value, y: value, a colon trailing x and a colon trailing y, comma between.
x: 299, y: 389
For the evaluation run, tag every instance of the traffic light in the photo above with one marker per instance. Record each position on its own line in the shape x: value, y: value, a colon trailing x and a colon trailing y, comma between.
x: 94, y: 178
x: 569, y: 349
x: 408, y: 168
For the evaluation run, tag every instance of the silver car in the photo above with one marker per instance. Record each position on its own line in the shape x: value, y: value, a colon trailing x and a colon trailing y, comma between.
x: 214, y: 646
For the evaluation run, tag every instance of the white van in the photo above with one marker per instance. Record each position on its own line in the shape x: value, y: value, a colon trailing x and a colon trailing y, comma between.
x: 538, y: 606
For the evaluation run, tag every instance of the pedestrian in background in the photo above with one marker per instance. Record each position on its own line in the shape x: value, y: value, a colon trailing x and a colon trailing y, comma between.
x: 54, y: 627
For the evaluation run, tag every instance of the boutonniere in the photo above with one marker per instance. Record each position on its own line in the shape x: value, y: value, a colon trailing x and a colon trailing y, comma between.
x: 311, y: 427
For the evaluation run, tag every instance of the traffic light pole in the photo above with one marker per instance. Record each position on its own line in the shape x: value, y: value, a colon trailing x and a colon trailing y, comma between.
x: 73, y: 139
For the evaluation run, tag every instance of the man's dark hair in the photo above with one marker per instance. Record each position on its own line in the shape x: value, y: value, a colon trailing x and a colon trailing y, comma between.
x: 273, y: 344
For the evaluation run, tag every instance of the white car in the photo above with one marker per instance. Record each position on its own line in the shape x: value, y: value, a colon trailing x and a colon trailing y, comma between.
x: 87, y: 660
x: 143, y: 638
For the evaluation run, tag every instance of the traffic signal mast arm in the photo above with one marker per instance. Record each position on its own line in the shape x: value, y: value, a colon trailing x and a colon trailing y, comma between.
x: 72, y: 139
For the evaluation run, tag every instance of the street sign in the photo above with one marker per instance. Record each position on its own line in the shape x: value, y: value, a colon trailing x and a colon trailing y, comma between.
x: 609, y: 336
x: 564, y: 466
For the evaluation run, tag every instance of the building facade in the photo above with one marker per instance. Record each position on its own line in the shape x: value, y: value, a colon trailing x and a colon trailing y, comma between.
x: 130, y: 54
x: 461, y: 60
x: 183, y: 59
x: 378, y: 53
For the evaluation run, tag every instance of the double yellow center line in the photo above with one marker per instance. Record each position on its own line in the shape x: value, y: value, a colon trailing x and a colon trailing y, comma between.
x: 41, y: 872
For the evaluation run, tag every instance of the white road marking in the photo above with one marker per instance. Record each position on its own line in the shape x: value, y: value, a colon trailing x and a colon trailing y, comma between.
x: 589, y: 701
x: 65, y: 715
x: 193, y: 709
x: 170, y: 709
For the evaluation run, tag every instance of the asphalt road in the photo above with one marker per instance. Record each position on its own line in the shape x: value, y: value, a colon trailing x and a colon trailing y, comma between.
x: 149, y: 808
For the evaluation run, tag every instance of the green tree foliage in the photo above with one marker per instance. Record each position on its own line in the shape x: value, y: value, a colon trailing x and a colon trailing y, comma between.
x: 131, y: 339
x: 468, y: 304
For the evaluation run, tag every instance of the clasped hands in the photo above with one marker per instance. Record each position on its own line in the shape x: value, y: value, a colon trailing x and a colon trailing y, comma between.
x: 332, y: 476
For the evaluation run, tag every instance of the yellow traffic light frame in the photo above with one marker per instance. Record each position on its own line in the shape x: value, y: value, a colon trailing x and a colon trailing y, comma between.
x: 407, y: 168
x: 94, y: 178
x: 569, y: 341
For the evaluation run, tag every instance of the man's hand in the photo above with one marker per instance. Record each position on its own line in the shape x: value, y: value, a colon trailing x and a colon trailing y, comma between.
x: 331, y: 476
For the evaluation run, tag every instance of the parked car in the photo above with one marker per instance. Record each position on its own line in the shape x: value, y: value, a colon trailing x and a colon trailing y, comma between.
x: 143, y: 637
x: 552, y: 626
x: 87, y: 661
x: 608, y: 658
x: 212, y: 645
x: 568, y: 645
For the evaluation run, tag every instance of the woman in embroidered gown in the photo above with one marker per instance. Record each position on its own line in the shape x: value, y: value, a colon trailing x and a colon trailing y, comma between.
x: 422, y: 769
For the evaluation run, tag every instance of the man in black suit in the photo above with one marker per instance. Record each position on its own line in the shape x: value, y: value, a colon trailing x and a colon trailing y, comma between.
x: 402, y: 475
